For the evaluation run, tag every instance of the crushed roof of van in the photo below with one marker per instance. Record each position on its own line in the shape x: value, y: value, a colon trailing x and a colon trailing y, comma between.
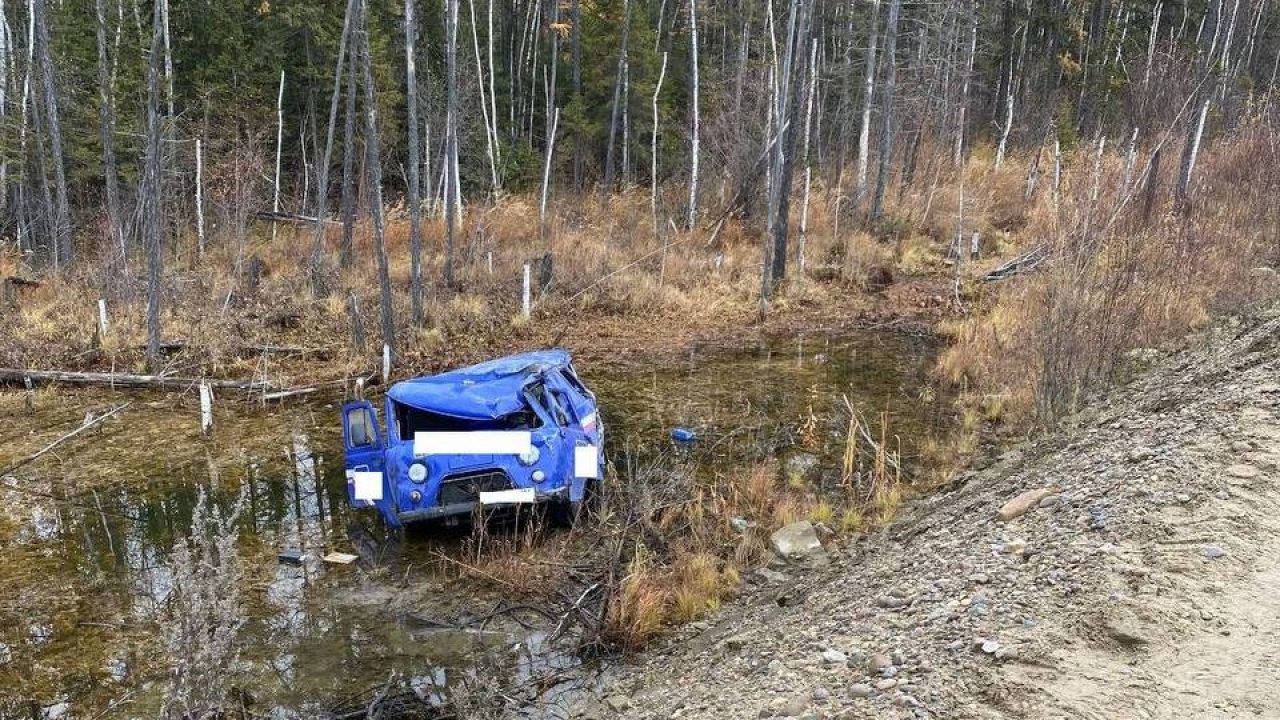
x: 486, y: 391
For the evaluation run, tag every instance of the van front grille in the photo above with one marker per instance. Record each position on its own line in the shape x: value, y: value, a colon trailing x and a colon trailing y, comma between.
x: 466, y: 487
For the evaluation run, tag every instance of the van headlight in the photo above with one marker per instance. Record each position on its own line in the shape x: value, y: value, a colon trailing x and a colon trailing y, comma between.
x: 538, y: 476
x: 530, y: 457
x: 417, y: 472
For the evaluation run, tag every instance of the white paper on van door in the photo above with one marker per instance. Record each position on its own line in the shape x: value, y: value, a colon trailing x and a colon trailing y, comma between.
x: 586, y: 462
x: 366, y: 485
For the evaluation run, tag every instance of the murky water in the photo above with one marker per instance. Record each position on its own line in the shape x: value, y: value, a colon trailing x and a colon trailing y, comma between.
x: 87, y: 575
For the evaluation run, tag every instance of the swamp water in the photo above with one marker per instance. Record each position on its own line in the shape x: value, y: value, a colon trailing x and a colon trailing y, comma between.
x: 86, y: 533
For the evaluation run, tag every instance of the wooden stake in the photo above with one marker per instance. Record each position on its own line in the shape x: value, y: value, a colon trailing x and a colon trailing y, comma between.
x: 524, y: 297
x: 206, y: 408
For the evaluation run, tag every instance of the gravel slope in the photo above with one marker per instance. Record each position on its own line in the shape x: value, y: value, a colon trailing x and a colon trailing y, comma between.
x: 1145, y: 585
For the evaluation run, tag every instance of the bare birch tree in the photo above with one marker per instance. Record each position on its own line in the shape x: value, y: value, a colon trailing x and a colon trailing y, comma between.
x: 275, y: 184
x: 348, y: 200
x: 887, y: 108
x: 694, y: 115
x: 451, y: 138
x: 415, y: 155
x: 616, y: 105
x: 318, y: 284
x: 106, y: 128
x: 868, y: 95
x: 490, y: 124
x: 374, y: 169
x: 151, y: 194
x: 61, y: 230
x: 781, y: 163
x: 1191, y: 151
x: 653, y: 153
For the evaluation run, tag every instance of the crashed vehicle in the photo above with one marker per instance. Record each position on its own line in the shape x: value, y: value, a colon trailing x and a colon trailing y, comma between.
x: 514, y: 431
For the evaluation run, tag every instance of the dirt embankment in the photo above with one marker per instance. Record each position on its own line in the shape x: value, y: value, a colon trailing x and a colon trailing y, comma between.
x: 1145, y: 583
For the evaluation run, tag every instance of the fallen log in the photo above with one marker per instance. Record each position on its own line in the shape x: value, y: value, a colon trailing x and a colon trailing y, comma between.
x: 291, y: 218
x: 248, y: 351
x: 12, y: 286
x: 1025, y: 262
x: 124, y: 380
x: 302, y: 390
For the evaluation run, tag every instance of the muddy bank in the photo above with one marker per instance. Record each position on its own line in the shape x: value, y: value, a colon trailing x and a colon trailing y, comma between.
x: 88, y: 530
x: 1139, y: 580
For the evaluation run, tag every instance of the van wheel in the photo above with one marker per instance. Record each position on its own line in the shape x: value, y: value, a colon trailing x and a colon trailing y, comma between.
x: 578, y: 512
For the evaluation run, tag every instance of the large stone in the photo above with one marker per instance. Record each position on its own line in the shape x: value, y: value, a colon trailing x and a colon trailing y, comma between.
x: 1125, y: 627
x: 618, y: 703
x: 800, y: 468
x: 797, y: 541
x: 1242, y: 471
x: 878, y: 662
x: 1021, y: 504
x: 831, y: 656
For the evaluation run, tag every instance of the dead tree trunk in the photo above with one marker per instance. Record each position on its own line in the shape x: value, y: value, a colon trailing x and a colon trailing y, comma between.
x: 62, y: 245
x: 490, y: 122
x: 694, y: 110
x: 348, y: 208
x: 868, y: 94
x: 1190, y: 152
x: 887, y: 109
x: 106, y: 128
x: 374, y: 165
x: 781, y: 165
x: 653, y: 155
x: 415, y: 187
x: 318, y: 283
x: 451, y: 139
x: 616, y: 106
x: 152, y: 191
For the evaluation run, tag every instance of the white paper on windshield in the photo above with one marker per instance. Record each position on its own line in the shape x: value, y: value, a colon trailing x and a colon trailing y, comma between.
x: 479, y: 442
x: 586, y: 462
x: 508, y: 497
x: 366, y: 485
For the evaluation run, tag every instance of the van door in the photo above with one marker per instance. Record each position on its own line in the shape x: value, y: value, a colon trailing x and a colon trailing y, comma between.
x: 362, y: 445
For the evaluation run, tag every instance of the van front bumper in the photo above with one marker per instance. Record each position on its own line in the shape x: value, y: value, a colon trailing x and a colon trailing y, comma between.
x: 466, y: 508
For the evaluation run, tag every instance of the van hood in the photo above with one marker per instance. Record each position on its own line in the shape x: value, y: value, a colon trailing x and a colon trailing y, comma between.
x: 486, y: 391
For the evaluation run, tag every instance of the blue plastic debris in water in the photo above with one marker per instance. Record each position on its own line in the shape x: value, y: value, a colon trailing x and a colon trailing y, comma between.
x: 683, y: 435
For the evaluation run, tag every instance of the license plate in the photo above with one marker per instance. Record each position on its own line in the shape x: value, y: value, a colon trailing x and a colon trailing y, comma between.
x: 508, y: 497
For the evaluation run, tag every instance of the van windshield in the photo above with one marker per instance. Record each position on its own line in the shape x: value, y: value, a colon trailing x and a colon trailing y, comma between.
x: 410, y: 420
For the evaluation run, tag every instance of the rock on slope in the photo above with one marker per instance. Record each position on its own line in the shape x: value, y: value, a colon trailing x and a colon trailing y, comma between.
x: 1144, y: 583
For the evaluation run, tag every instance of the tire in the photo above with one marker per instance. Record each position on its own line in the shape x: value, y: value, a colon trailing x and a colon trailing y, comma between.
x: 577, y: 512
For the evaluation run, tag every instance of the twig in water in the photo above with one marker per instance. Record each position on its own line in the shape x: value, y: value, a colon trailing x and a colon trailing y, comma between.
x: 89, y: 423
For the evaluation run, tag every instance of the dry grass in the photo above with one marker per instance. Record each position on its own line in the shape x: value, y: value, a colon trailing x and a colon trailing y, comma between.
x: 1116, y: 279
x: 610, y: 274
x: 689, y: 541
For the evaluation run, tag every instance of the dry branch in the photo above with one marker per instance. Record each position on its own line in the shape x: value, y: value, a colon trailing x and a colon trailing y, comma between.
x: 88, y: 423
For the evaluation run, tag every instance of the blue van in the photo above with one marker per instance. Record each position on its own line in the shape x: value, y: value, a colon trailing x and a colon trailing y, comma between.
x: 517, y: 430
